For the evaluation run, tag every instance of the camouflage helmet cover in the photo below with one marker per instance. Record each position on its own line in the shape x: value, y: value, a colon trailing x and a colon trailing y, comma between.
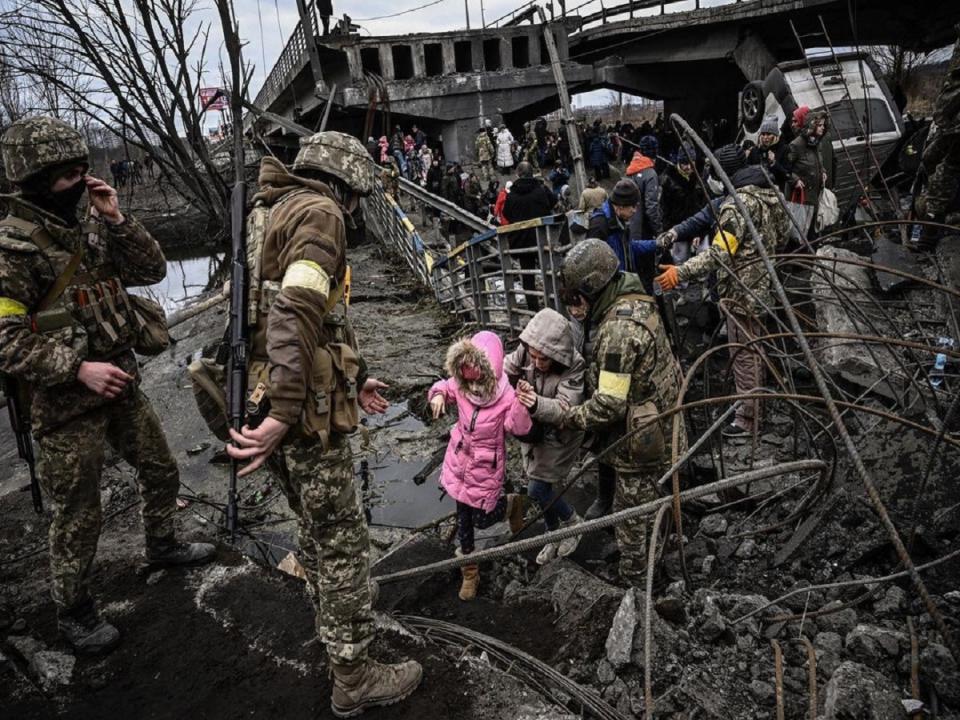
x: 33, y: 144
x: 589, y: 267
x: 337, y: 154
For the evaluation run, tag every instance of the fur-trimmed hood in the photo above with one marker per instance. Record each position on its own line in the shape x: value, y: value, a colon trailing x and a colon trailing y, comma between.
x: 483, y: 351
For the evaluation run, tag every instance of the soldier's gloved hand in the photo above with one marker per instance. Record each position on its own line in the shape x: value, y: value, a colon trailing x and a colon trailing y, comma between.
x: 438, y: 406
x: 102, y: 378
x: 370, y: 399
x: 667, y: 239
x: 669, y: 279
x: 256, y: 445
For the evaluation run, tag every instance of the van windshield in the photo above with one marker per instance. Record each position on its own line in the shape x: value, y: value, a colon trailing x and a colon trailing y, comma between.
x: 874, y: 115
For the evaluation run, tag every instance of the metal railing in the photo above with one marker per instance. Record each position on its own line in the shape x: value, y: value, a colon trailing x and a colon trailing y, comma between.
x: 291, y: 61
x: 497, y: 279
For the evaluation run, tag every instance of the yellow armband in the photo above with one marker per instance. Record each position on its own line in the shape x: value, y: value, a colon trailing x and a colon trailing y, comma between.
x: 9, y: 306
x: 726, y: 241
x: 306, y: 274
x: 615, y: 385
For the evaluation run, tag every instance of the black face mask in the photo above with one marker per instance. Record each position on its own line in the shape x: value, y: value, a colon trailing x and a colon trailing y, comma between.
x: 63, y: 204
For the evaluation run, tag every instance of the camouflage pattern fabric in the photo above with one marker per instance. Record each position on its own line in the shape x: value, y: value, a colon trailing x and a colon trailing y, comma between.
x: 943, y: 155
x: 96, y: 320
x: 35, y: 143
x: 334, y: 543
x: 530, y: 150
x: 69, y: 463
x: 634, y: 488
x: 773, y: 226
x: 340, y: 155
x: 630, y: 341
x: 946, y: 111
x: 485, y: 154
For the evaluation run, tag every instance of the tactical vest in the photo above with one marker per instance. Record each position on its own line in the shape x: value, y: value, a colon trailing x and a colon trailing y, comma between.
x: 331, y: 404
x: 649, y: 435
x: 89, y: 299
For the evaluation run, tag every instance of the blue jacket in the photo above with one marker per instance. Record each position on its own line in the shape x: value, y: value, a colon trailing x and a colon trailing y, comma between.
x: 605, y: 226
x: 702, y: 222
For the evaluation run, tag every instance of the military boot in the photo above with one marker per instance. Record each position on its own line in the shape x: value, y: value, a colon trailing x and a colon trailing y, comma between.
x: 82, y: 627
x: 606, y: 484
x: 169, y: 551
x: 371, y: 684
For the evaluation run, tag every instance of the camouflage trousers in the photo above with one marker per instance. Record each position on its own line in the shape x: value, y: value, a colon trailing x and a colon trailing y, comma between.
x: 634, y: 487
x: 69, y: 464
x: 941, y: 158
x: 749, y: 365
x: 334, y: 543
x: 485, y: 173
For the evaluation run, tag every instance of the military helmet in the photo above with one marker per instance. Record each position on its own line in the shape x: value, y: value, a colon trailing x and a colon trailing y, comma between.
x: 589, y: 267
x: 36, y: 143
x: 337, y: 154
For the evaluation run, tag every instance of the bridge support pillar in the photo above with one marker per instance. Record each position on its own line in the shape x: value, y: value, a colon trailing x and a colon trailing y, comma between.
x: 419, y: 65
x: 449, y: 57
x: 533, y: 42
x: 386, y: 61
x: 506, y: 53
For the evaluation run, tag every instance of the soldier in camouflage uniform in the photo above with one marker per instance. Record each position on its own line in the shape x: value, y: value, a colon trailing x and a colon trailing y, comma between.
x: 631, y: 378
x: 304, y: 353
x: 531, y: 147
x: 941, y: 156
x: 746, y: 295
x: 485, y: 155
x: 67, y: 333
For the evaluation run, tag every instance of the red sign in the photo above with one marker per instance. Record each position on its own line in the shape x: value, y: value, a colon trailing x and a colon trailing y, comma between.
x: 207, y: 94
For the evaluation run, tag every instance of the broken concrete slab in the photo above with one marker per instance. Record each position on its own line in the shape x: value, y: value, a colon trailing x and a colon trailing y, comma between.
x: 896, y: 256
x: 844, y: 306
x: 619, y: 643
x: 52, y: 669
x: 856, y: 691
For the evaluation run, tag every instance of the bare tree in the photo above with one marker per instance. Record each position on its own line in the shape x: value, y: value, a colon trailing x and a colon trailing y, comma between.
x: 898, y: 65
x: 135, y: 68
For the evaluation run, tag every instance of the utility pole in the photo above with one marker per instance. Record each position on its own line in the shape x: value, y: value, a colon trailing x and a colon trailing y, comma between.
x: 310, y: 42
x: 466, y: 9
x: 566, y: 112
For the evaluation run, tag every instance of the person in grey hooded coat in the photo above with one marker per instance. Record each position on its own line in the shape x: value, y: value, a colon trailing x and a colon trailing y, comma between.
x: 548, y: 373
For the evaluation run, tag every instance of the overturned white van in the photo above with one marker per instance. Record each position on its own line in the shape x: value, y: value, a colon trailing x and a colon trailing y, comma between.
x: 865, y: 125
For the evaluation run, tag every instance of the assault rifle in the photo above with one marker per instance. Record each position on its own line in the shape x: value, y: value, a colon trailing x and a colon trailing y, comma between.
x: 239, y: 338
x: 20, y: 424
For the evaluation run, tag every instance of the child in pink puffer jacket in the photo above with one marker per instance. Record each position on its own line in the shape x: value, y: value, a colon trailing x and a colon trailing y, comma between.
x: 474, y: 466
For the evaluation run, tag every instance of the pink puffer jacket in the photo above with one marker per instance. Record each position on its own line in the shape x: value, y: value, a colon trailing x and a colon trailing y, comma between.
x: 475, y: 464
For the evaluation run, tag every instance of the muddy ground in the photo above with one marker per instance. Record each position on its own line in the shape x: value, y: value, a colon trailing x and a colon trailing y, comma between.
x: 233, y: 638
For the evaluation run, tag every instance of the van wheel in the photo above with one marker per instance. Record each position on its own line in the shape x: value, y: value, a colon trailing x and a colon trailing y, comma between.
x: 752, y: 104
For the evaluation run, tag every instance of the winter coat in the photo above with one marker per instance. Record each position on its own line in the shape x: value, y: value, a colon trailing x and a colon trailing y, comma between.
x: 680, y: 197
x: 591, y: 199
x: 806, y: 162
x: 528, y: 199
x: 597, y: 151
x: 548, y: 332
x: 498, y: 206
x: 604, y: 225
x: 504, y: 148
x: 484, y: 148
x: 474, y: 466
x: 778, y: 168
x: 647, y: 223
x: 384, y: 150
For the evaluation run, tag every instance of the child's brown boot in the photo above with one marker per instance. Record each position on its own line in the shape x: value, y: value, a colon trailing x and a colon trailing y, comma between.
x: 471, y: 579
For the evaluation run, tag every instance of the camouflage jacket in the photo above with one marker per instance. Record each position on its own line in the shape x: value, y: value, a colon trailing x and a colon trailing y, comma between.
x: 631, y: 364
x: 484, y: 148
x: 91, y: 320
x: 946, y: 111
x: 739, y: 253
x: 302, y: 269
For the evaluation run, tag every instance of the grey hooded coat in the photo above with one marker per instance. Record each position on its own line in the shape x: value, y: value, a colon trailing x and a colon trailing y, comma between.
x: 549, y: 332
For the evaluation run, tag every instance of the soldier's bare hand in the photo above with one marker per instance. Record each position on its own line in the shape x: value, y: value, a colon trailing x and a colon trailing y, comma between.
x: 104, y: 379
x: 104, y: 199
x: 370, y: 399
x: 256, y: 445
x: 438, y: 406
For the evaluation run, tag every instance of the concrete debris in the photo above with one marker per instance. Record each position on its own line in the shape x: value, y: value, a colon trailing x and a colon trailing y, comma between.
x: 672, y: 609
x: 747, y: 549
x: 25, y: 646
x: 874, y: 645
x: 841, y: 621
x: 892, y: 603
x: 714, y: 525
x: 619, y: 643
x: 939, y: 669
x: 857, y: 691
x: 912, y: 707
x: 893, y: 255
x: 52, y: 669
